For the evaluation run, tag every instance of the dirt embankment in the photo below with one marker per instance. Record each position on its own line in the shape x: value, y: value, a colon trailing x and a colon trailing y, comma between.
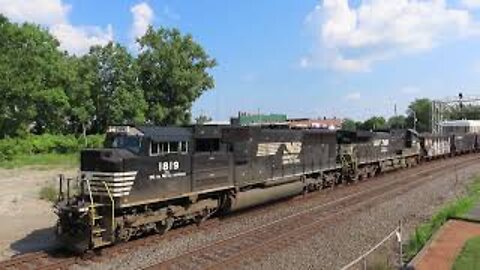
x: 26, y: 221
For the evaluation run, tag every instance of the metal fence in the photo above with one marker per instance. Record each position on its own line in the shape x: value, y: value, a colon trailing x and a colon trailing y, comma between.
x: 387, y: 254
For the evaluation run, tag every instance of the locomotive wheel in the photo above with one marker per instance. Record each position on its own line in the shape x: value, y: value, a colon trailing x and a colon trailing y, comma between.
x: 124, y: 234
x: 164, y: 226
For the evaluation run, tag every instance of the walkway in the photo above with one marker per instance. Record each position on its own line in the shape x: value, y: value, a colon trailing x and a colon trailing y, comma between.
x: 446, y: 244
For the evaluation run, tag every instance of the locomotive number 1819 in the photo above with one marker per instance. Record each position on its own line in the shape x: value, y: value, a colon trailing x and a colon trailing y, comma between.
x: 168, y: 166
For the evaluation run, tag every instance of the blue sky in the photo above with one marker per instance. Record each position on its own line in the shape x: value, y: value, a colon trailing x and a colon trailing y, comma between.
x: 303, y: 58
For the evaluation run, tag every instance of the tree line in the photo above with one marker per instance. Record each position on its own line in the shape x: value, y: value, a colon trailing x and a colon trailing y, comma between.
x: 47, y: 90
x: 420, y: 112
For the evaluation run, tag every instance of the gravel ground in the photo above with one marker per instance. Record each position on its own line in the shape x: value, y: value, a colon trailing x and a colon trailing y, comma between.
x: 26, y: 222
x: 330, y: 248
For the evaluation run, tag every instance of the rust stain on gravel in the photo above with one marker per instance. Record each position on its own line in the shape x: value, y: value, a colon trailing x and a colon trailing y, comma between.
x: 446, y: 245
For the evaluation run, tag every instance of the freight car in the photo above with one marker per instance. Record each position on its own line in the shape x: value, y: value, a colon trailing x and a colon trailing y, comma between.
x: 463, y: 143
x: 435, y: 146
x: 148, y: 179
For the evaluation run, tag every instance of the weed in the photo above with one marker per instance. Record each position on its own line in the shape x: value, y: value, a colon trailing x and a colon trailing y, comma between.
x: 48, y: 193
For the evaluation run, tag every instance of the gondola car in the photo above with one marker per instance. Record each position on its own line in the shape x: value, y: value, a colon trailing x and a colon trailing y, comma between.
x: 463, y: 143
x: 435, y: 145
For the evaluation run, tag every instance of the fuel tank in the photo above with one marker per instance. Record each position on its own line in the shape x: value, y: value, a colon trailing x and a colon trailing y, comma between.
x: 259, y: 196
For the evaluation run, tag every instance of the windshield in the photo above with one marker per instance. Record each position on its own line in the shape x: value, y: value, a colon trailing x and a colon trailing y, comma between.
x: 132, y: 143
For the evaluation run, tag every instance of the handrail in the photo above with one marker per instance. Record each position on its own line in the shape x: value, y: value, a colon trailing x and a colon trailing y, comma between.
x: 113, y: 206
x: 89, y: 191
x: 92, y: 205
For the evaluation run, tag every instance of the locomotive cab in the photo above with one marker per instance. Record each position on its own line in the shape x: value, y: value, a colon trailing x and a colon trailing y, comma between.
x: 136, y: 164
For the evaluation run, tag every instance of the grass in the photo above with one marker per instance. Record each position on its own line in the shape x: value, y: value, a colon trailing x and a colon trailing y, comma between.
x: 379, y: 263
x: 457, y: 208
x: 469, y: 258
x: 48, y: 193
x: 42, y: 161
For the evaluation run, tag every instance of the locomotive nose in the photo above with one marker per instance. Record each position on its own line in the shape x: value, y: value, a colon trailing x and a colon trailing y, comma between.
x: 105, y: 160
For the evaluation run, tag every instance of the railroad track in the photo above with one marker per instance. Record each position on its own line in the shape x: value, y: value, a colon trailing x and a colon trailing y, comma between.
x: 254, y: 242
x: 293, y: 228
x: 39, y: 260
x: 23, y: 259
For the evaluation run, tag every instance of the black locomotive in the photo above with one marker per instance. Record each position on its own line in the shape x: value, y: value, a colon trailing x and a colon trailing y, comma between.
x: 149, y: 178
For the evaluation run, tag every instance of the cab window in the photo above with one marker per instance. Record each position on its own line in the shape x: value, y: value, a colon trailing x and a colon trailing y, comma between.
x: 158, y: 148
x: 131, y: 143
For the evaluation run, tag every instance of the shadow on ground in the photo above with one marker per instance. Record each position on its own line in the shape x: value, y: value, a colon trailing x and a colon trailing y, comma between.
x: 37, y: 240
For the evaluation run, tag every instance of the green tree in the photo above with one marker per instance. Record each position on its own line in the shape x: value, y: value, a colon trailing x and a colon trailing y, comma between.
x: 421, y: 110
x: 51, y: 107
x: 202, y: 119
x: 81, y: 86
x: 397, y: 122
x: 116, y: 93
x: 374, y: 123
x: 173, y: 74
x: 32, y: 79
x: 349, y: 124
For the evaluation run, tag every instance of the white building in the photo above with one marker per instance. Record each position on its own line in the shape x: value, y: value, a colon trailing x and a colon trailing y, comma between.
x: 460, y: 126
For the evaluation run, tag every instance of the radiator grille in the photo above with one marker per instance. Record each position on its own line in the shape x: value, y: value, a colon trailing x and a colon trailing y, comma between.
x: 119, y: 183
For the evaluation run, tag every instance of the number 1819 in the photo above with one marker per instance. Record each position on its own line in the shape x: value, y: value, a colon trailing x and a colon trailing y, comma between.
x: 168, y: 166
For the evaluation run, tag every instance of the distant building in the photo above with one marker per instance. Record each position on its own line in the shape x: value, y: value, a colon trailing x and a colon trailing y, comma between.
x: 217, y: 123
x: 332, y: 124
x: 460, y: 126
x: 247, y: 119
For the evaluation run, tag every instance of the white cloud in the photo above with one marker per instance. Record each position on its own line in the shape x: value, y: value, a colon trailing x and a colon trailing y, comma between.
x: 142, y: 17
x: 46, y: 12
x: 78, y: 40
x: 352, y: 39
x: 353, y: 96
x: 54, y: 15
x: 471, y: 3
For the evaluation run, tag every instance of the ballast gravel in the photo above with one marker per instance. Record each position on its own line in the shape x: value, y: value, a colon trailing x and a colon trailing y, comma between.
x: 332, y: 247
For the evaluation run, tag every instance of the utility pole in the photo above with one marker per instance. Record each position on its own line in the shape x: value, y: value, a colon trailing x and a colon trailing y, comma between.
x: 414, y: 120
